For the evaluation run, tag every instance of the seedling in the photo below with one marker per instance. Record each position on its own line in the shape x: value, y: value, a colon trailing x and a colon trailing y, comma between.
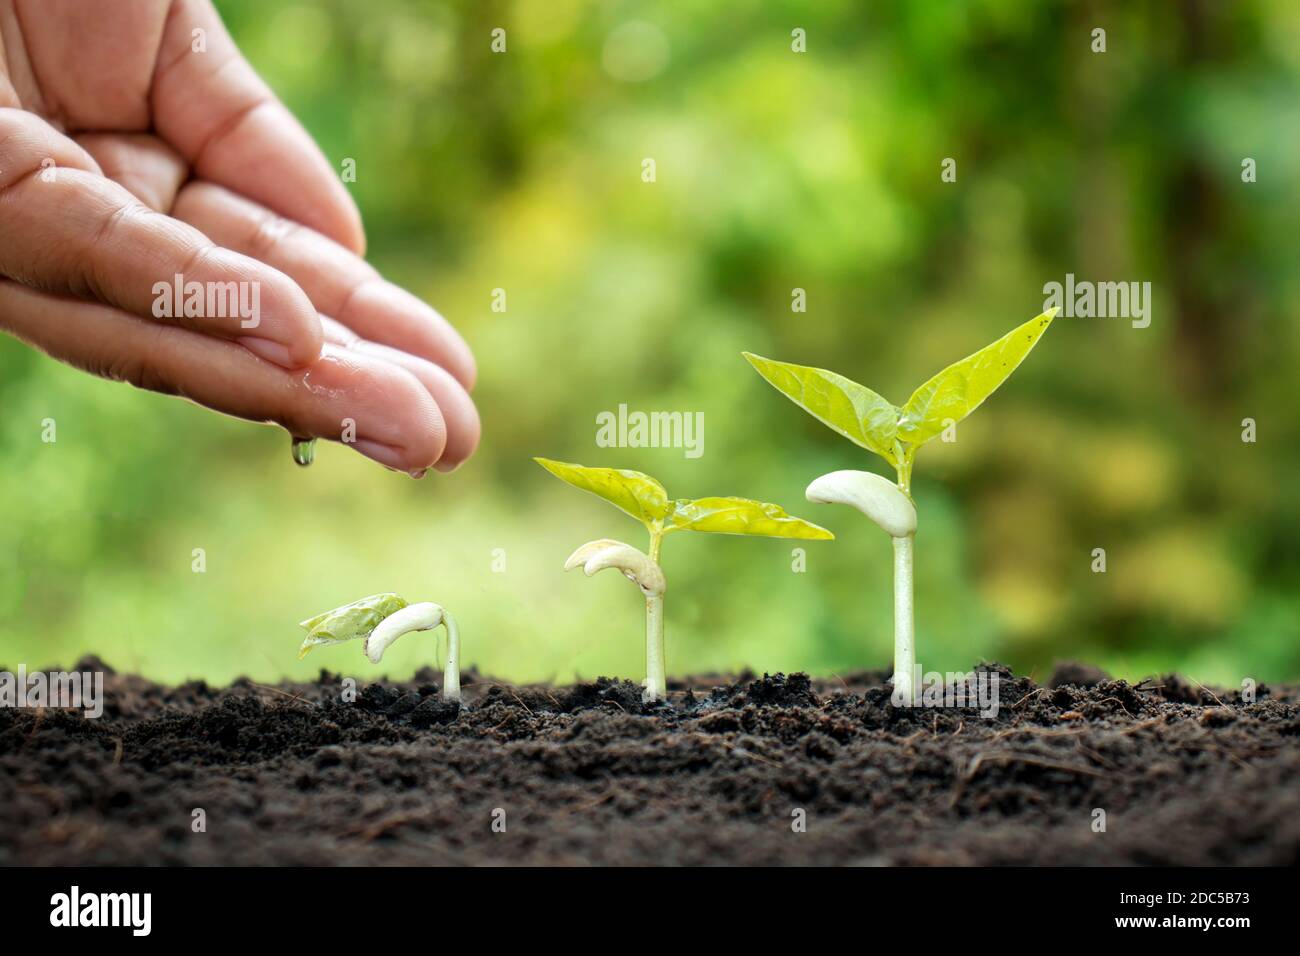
x: 646, y: 500
x: 381, y: 619
x: 894, y: 433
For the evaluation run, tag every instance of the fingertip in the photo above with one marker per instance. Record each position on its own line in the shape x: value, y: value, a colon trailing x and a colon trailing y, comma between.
x: 339, y: 217
x: 305, y: 341
x: 351, y: 231
x: 273, y: 352
x: 462, y: 426
x: 299, y: 354
x: 468, y: 368
x: 309, y: 343
x: 387, y: 455
x: 379, y: 409
x: 463, y: 441
x: 416, y: 429
x: 318, y: 199
x: 386, y: 313
x: 280, y: 314
x: 456, y: 358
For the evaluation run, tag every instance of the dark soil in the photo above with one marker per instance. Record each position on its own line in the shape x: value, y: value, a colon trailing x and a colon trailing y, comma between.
x: 586, y: 775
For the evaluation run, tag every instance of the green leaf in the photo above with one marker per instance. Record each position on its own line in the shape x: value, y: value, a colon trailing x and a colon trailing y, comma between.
x: 639, y: 495
x: 741, y: 516
x: 960, y: 388
x: 853, y: 410
x: 349, y: 622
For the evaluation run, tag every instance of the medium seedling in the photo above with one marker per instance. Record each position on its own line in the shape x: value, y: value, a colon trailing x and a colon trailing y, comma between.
x: 895, y: 433
x: 646, y: 500
x: 381, y: 619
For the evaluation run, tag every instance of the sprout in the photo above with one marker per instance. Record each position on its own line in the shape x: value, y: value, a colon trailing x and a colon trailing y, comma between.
x: 381, y: 619
x: 645, y: 499
x: 894, y: 433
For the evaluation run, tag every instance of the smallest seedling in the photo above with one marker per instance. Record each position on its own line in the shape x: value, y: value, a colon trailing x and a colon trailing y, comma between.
x: 381, y: 619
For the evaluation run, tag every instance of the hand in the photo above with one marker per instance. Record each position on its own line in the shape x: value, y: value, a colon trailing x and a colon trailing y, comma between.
x: 128, y: 158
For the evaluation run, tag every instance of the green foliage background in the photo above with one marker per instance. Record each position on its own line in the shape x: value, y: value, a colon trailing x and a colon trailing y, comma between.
x: 775, y: 170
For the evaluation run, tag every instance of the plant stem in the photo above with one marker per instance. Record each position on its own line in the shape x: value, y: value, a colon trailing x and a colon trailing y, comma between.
x: 656, y: 685
x: 904, y: 468
x: 451, y: 674
x: 904, y: 635
x: 904, y: 629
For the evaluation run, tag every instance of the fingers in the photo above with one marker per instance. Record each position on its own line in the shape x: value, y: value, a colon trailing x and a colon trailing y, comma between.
x: 339, y: 283
x: 458, y: 411
x: 214, y: 109
x: 67, y: 229
x: 395, y: 419
x: 146, y: 166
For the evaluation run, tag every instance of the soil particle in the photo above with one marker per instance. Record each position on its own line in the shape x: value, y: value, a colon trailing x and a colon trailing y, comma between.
x: 1080, y: 675
x: 587, y: 774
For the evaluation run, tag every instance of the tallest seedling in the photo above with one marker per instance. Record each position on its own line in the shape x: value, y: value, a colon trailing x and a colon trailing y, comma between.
x: 895, y: 433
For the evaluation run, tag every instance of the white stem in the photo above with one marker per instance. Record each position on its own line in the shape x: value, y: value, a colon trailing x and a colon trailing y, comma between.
x: 656, y: 686
x: 420, y: 617
x: 451, y: 675
x: 904, y: 634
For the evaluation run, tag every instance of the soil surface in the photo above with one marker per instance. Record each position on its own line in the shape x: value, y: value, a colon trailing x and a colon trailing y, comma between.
x: 585, y: 774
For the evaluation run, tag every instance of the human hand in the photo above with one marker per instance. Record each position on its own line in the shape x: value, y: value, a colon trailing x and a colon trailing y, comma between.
x: 128, y: 157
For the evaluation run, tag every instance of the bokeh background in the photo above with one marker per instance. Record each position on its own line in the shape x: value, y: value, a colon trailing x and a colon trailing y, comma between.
x: 775, y: 170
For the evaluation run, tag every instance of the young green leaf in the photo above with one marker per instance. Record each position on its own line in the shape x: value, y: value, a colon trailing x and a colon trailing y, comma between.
x: 741, y: 516
x: 960, y: 388
x: 853, y: 410
x: 349, y: 622
x: 639, y: 495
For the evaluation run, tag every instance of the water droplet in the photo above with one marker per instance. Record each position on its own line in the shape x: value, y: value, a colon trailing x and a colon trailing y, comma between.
x: 304, y: 451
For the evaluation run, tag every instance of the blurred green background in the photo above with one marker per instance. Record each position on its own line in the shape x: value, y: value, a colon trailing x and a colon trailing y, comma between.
x: 776, y: 170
